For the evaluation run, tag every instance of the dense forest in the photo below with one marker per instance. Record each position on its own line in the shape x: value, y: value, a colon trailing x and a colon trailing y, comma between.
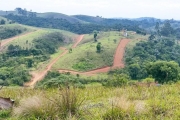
x: 80, y: 28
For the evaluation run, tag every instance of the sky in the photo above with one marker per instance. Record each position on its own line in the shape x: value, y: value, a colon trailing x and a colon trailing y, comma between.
x: 164, y: 9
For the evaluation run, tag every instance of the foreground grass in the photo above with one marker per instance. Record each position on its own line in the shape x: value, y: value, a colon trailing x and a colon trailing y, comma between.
x: 95, y: 102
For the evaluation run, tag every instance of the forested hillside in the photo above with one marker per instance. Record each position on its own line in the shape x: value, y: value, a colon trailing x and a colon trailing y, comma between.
x: 80, y: 28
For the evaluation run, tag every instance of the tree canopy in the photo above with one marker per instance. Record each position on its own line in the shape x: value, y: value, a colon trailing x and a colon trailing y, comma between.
x: 164, y: 71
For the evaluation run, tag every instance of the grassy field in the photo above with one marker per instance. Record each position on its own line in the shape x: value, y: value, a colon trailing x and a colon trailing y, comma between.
x: 95, y: 102
x: 85, y: 53
x: 135, y: 38
x: 22, y: 41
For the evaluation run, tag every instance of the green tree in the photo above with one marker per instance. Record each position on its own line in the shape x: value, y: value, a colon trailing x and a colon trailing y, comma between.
x: 167, y: 30
x: 163, y: 71
x: 134, y: 70
x: 95, y: 36
x: 151, y: 37
x: 117, y: 80
x: 30, y: 63
x: 157, y: 27
x: 98, y: 47
x: 2, y: 22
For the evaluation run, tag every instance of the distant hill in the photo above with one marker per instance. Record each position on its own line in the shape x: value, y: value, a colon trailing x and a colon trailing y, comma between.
x: 7, y: 12
x: 81, y: 24
x: 54, y: 15
x: 90, y: 19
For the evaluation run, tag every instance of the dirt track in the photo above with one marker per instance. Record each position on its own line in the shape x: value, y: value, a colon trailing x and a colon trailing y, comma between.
x: 118, y: 57
x: 118, y: 61
x: 39, y: 76
x: 88, y: 73
x: 7, y: 41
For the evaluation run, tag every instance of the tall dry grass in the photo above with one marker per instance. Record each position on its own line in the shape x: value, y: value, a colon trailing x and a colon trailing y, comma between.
x: 97, y: 102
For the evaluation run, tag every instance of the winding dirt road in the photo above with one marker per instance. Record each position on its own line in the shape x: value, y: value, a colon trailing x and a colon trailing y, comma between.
x: 39, y: 76
x: 7, y: 41
x: 118, y: 61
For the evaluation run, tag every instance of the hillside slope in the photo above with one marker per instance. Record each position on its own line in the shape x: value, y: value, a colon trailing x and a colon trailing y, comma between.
x: 59, y: 16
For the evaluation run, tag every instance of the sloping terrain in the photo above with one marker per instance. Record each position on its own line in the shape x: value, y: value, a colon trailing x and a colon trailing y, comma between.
x: 118, y: 61
x: 53, y: 15
x: 85, y: 56
x: 28, y: 51
x: 9, y: 40
x: 39, y: 76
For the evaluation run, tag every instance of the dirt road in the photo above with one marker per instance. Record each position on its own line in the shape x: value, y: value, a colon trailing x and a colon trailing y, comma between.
x: 39, y: 76
x: 118, y: 57
x: 118, y: 61
x: 7, y: 41
x: 88, y: 73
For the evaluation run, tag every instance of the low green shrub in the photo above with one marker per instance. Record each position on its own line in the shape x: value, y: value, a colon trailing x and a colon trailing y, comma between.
x: 114, y: 114
x: 5, y: 114
x: 117, y: 80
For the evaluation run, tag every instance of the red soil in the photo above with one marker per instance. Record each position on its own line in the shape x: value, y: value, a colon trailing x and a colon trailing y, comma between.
x: 39, y: 76
x: 88, y: 73
x: 118, y: 57
x: 118, y: 61
x: 7, y: 41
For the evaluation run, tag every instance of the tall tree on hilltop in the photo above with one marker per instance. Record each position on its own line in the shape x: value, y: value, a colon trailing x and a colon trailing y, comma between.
x: 95, y: 36
x: 157, y: 28
x: 167, y: 30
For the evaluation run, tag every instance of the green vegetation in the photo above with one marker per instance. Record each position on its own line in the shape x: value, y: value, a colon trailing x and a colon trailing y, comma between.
x: 55, y: 79
x: 94, y: 102
x: 98, y: 47
x: 4, y: 21
x: 7, y: 31
x: 128, y: 93
x: 117, y: 80
x: 85, y: 57
x: 164, y: 72
x: 26, y: 53
x: 73, y: 24
x: 150, y: 51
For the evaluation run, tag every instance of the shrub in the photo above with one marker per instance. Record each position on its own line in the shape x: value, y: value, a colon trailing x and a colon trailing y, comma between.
x: 68, y: 104
x: 117, y: 80
x: 65, y: 105
x: 36, y: 107
x: 5, y: 113
x: 148, y: 80
x: 163, y: 71
x: 114, y: 114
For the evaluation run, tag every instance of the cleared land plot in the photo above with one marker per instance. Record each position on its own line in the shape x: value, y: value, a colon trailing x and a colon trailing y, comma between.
x: 85, y: 57
x: 27, y: 41
x: 135, y: 38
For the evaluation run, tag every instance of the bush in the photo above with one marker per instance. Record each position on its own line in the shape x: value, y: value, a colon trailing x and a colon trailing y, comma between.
x: 5, y: 113
x: 114, y: 114
x: 117, y: 80
x: 65, y: 105
x: 163, y: 71
x: 83, y: 65
x: 149, y: 80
